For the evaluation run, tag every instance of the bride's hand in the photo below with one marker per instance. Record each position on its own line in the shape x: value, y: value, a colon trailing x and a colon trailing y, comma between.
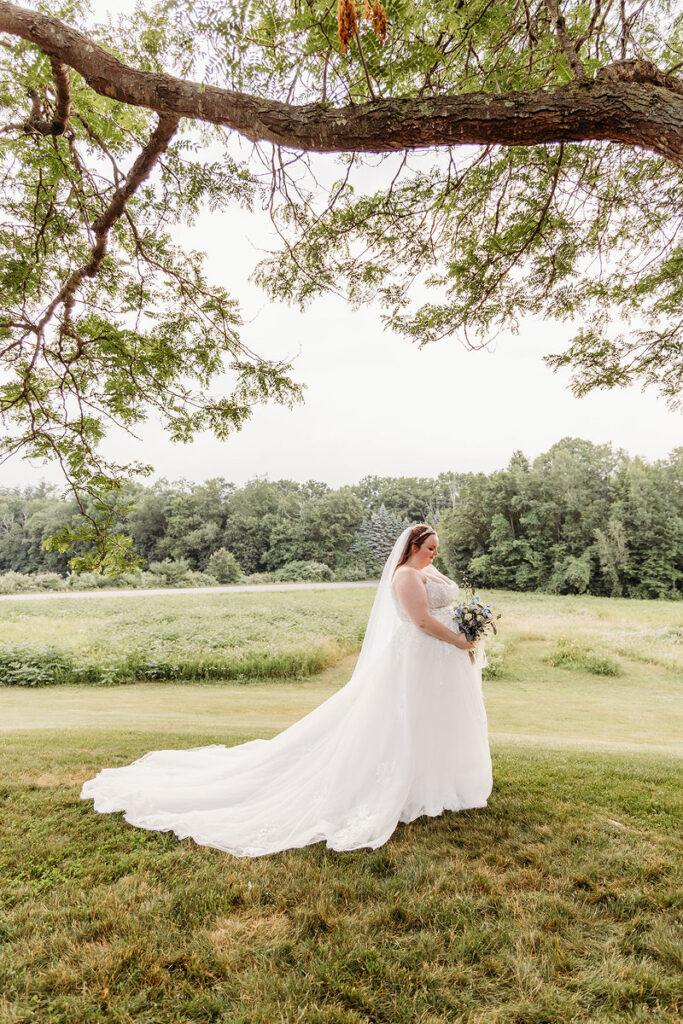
x: 463, y: 643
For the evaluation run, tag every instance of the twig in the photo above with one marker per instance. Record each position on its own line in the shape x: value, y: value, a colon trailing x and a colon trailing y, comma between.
x: 365, y: 67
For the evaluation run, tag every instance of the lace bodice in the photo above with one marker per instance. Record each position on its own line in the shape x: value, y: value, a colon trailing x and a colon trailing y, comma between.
x: 439, y: 595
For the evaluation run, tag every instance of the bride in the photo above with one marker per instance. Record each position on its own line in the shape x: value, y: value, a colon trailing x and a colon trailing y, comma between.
x: 406, y: 736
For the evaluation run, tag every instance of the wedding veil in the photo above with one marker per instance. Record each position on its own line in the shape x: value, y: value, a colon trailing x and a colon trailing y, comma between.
x: 384, y: 615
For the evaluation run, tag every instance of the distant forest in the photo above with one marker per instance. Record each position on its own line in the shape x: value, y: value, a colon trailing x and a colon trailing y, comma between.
x: 581, y: 518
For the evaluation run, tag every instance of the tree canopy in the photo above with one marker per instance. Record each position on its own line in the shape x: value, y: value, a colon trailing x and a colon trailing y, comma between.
x: 579, y: 518
x: 530, y: 157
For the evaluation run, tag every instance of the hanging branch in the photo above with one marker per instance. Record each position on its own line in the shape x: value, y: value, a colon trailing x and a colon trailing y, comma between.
x: 565, y: 41
x: 60, y: 73
x: 141, y: 169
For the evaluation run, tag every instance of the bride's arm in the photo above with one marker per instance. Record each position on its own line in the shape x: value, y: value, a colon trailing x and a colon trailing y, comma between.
x: 412, y: 594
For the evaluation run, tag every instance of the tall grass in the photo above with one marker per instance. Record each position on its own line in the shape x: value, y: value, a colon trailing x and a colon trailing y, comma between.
x: 228, y: 637
x: 571, y: 655
x: 241, y: 636
x: 26, y: 667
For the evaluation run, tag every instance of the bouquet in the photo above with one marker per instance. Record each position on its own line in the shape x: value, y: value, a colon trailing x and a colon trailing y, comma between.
x: 473, y: 618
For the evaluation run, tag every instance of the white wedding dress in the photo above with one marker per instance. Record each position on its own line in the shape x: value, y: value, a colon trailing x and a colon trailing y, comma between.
x: 406, y: 736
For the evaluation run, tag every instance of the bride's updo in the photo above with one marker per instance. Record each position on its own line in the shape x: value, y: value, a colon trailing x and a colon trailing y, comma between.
x: 418, y: 535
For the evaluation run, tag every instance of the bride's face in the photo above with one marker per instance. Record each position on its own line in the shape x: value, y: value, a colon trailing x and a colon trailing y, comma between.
x: 426, y: 554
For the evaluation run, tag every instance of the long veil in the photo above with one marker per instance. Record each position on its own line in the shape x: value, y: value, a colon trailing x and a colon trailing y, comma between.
x: 383, y: 615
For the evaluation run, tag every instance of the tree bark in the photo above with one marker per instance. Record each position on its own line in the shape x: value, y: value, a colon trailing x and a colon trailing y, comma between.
x: 60, y: 73
x: 642, y: 109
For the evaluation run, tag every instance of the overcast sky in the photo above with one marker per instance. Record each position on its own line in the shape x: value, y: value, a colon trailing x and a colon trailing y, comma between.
x: 374, y: 403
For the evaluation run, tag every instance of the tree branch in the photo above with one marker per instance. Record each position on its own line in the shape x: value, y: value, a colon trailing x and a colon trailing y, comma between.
x: 637, y: 70
x: 36, y: 122
x: 60, y: 73
x: 141, y: 169
x: 564, y: 40
x: 646, y: 113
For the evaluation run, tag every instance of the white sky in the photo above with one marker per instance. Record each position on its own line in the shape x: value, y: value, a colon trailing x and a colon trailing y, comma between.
x: 374, y: 403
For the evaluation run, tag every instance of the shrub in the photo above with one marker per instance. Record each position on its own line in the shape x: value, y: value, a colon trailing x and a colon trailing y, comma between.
x: 224, y: 567
x: 148, y: 581
x: 169, y: 573
x: 87, y: 581
x: 126, y: 579
x: 49, y: 581
x: 351, y: 574
x: 21, y: 667
x: 571, y: 575
x: 571, y: 655
x: 260, y: 577
x: 15, y: 583
x: 303, y: 572
x: 198, y: 579
x: 495, y: 665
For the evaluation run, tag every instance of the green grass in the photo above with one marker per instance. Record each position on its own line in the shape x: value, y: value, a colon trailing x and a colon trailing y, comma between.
x: 240, y: 636
x: 245, y: 636
x: 560, y: 902
x: 571, y: 655
x: 631, y: 631
x: 545, y: 706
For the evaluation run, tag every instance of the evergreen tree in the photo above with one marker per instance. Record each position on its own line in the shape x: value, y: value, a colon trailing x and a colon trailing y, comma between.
x: 376, y: 537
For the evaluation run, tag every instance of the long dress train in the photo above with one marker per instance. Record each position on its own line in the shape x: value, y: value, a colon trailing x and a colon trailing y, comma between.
x: 406, y: 736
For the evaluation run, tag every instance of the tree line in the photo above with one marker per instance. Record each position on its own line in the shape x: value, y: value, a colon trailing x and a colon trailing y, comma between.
x: 580, y: 518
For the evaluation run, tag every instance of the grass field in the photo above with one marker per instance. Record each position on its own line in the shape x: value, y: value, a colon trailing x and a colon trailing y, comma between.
x: 561, y: 902
x: 246, y: 636
x: 238, y: 636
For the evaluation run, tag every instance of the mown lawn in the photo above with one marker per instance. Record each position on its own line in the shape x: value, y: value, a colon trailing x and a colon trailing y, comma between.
x: 561, y: 902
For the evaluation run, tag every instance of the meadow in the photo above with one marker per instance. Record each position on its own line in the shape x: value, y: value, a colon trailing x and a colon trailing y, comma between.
x: 234, y: 636
x: 560, y: 902
x: 255, y: 635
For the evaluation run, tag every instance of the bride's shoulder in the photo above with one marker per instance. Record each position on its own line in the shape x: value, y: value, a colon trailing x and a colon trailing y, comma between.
x: 406, y: 573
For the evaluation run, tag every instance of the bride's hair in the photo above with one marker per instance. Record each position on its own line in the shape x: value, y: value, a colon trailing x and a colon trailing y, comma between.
x: 416, y: 538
